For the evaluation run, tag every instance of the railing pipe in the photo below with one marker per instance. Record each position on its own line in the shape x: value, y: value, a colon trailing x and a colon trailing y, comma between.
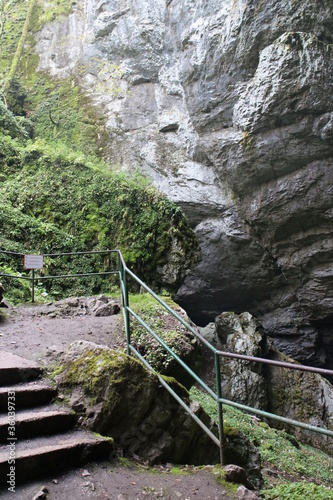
x: 219, y: 406
x: 32, y: 285
x: 79, y: 253
x: 58, y: 276
x: 283, y: 364
x: 273, y: 416
x: 77, y: 275
x: 12, y: 253
x: 177, y: 398
x: 14, y: 276
x: 124, y: 299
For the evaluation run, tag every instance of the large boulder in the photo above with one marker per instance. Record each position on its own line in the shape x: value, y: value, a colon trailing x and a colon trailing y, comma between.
x: 242, y: 381
x: 298, y: 395
x: 177, y: 337
x: 118, y: 397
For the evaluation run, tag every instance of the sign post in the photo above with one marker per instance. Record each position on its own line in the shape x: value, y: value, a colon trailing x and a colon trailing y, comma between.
x: 33, y: 262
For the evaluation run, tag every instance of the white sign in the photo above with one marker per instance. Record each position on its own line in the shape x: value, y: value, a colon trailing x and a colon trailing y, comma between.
x: 33, y: 261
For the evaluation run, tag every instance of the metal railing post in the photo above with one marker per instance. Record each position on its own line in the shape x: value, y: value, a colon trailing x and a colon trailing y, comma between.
x: 219, y: 405
x: 32, y: 285
x: 127, y: 316
x: 125, y: 301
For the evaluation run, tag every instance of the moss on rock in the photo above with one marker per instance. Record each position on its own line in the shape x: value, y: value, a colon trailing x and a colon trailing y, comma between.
x: 118, y: 397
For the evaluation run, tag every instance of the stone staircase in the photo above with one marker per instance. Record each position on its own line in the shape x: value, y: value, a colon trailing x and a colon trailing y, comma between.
x: 38, y: 437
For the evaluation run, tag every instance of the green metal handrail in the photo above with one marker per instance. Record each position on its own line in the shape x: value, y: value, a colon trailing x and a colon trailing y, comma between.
x: 124, y: 272
x: 217, y: 396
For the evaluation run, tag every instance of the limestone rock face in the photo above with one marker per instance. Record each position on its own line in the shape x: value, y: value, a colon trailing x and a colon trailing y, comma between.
x: 242, y: 381
x: 306, y: 397
x: 297, y: 395
x: 228, y: 107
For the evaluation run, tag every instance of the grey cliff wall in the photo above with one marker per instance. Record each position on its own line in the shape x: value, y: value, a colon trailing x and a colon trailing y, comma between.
x: 227, y: 105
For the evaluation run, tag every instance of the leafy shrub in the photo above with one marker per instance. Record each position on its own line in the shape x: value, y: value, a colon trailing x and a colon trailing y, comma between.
x: 10, y: 124
x: 20, y: 290
x: 299, y: 491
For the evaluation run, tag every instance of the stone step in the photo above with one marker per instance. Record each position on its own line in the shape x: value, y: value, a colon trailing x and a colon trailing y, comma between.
x: 40, y: 421
x: 14, y: 369
x: 47, y: 456
x: 27, y: 395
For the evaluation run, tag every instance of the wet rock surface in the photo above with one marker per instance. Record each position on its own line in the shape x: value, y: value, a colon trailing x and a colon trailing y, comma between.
x: 228, y: 107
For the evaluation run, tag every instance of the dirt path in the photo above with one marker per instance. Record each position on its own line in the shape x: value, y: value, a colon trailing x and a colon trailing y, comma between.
x: 33, y: 332
x: 107, y: 481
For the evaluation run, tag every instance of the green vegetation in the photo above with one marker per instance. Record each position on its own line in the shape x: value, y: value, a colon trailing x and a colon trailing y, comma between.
x: 57, y: 193
x: 173, y: 334
x: 55, y: 201
x: 50, y: 11
x: 298, y: 491
x: 20, y: 46
x: 280, y: 453
x: 57, y: 110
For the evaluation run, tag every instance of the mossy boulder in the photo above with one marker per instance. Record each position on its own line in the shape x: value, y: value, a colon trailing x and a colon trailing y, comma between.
x: 118, y: 397
x: 240, y: 451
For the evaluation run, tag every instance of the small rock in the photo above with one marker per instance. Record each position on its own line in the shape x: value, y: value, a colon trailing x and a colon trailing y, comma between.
x: 235, y: 474
x: 89, y: 484
x: 243, y: 492
x: 108, y: 309
x: 42, y: 493
x: 85, y: 473
x: 270, y: 472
